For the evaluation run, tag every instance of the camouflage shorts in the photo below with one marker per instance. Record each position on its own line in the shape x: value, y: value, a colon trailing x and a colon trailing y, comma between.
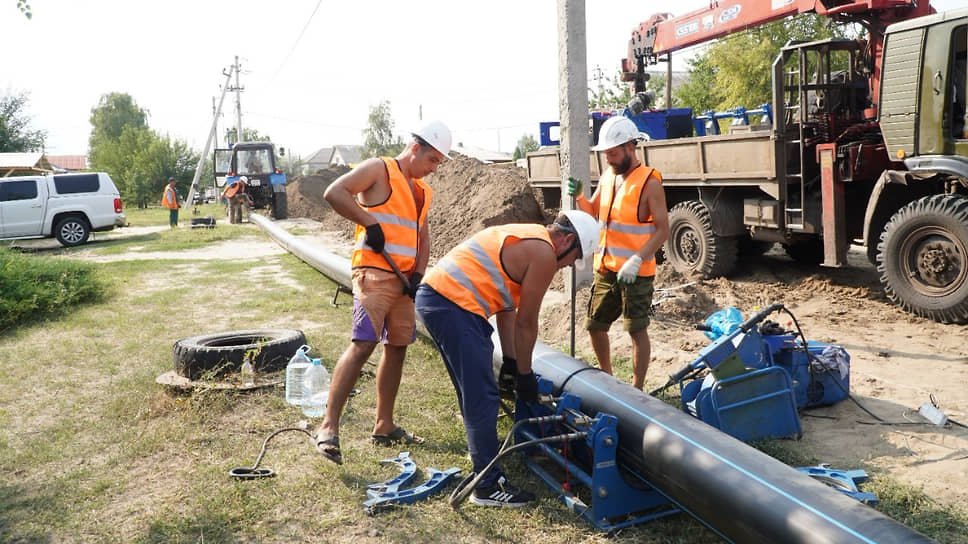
x: 610, y: 299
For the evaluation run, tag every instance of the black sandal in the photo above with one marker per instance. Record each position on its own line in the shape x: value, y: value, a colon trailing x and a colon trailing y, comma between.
x: 329, y: 448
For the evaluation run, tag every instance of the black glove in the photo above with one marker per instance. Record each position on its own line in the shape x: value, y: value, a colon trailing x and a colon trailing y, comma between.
x: 506, y: 379
x: 415, y: 280
x: 374, y: 237
x: 527, y: 387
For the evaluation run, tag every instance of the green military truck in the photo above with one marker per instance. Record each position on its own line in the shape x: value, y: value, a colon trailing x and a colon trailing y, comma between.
x: 836, y: 166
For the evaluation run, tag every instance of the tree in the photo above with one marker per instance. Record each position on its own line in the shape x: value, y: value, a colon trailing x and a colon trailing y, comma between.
x: 138, y: 159
x: 699, y: 90
x: 525, y: 144
x: 24, y: 8
x: 249, y: 135
x: 613, y: 95
x: 15, y: 132
x: 378, y: 138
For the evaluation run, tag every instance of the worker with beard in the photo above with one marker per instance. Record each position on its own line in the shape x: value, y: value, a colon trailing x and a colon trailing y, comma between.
x: 630, y: 205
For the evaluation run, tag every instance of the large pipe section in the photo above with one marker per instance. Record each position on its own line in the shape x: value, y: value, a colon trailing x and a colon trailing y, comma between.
x: 741, y: 493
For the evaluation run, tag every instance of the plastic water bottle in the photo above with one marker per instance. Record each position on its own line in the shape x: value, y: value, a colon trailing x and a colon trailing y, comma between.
x: 315, y: 389
x: 295, y: 371
x: 248, y: 372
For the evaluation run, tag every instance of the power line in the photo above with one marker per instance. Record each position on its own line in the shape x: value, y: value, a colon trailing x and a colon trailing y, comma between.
x: 293, y: 48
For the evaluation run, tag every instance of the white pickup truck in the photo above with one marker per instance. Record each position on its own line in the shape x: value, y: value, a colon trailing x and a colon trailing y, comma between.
x: 63, y: 206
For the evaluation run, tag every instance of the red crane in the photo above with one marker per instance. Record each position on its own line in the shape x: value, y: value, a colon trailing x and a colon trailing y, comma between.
x: 662, y: 33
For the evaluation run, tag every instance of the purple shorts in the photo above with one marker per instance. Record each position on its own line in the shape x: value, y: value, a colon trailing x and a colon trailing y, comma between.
x: 381, y: 310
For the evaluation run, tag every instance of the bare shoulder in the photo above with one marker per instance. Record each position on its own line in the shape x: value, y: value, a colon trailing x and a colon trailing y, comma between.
x: 527, y: 258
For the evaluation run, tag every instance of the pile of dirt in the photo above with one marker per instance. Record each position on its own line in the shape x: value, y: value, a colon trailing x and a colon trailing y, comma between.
x: 468, y: 196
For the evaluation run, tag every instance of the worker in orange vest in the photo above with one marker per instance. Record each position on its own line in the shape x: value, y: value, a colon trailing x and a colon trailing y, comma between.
x: 630, y: 205
x: 234, y: 193
x: 170, y: 201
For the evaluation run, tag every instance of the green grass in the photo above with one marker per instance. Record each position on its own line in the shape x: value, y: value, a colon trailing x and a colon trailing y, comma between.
x: 96, y: 451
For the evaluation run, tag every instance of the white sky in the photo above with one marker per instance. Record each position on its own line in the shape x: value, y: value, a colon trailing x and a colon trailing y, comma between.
x: 487, y: 69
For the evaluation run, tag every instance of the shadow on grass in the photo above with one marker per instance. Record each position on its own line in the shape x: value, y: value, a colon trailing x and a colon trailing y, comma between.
x: 55, y: 248
x: 19, y: 510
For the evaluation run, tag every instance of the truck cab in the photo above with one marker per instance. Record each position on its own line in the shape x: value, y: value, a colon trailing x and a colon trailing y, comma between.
x: 255, y: 165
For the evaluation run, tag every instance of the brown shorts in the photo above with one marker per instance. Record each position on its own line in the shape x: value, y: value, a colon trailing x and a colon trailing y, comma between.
x: 610, y: 299
x: 381, y: 310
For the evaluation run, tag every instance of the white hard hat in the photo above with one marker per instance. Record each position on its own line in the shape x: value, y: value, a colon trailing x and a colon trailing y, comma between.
x: 437, y: 135
x: 616, y: 130
x: 585, y: 227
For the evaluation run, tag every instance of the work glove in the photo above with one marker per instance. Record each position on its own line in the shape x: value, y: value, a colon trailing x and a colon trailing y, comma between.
x: 415, y: 280
x: 374, y: 237
x: 507, y: 377
x: 630, y: 270
x: 574, y: 186
x: 527, y: 388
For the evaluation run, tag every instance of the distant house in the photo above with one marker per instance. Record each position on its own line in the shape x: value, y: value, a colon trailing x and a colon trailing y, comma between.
x: 68, y: 163
x: 484, y: 155
x: 319, y: 160
x: 24, y: 164
x: 348, y: 155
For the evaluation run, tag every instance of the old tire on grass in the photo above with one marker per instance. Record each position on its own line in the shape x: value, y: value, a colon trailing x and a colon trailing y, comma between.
x: 210, y: 356
x: 693, y: 248
x: 923, y: 258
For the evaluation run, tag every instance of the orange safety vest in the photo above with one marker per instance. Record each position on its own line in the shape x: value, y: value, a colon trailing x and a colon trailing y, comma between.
x: 471, y: 275
x: 170, y: 201
x: 400, y: 220
x: 233, y: 188
x: 622, y: 234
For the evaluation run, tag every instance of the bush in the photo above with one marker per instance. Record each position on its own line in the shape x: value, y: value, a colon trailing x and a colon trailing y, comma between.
x: 37, y: 287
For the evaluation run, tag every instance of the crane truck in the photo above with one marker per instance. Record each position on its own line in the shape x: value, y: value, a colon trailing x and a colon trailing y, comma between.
x: 868, y: 145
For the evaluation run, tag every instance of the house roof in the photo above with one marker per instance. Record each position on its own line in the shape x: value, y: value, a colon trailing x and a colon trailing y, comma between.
x: 68, y: 162
x: 323, y: 156
x: 350, y: 154
x: 481, y: 154
x: 23, y: 163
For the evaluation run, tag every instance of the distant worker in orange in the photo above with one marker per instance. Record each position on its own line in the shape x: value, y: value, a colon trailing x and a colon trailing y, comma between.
x: 389, y: 202
x: 630, y: 205
x: 170, y: 201
x: 235, y: 197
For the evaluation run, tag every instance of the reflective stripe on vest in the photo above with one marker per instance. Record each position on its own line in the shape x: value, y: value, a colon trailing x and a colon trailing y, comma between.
x: 170, y: 201
x: 471, y: 275
x: 400, y: 220
x: 622, y: 234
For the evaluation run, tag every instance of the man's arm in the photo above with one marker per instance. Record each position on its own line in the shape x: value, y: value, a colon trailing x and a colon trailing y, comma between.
x: 654, y: 203
x: 341, y: 194
x: 589, y: 206
x: 423, y: 250
x: 540, y: 270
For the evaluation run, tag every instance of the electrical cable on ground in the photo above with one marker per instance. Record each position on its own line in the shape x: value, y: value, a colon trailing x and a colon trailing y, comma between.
x: 254, y: 472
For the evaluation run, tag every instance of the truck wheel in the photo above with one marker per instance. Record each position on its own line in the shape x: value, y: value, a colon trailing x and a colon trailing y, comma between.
x: 213, y: 355
x: 692, y: 247
x: 923, y: 258
x: 808, y: 252
x: 72, y: 231
x: 280, y: 206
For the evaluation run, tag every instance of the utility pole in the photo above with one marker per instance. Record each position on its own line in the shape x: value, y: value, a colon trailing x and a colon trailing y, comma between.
x: 208, y: 141
x: 573, y: 109
x: 238, y: 100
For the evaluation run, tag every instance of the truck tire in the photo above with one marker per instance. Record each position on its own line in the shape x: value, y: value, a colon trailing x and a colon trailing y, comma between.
x: 923, y: 258
x: 210, y: 356
x: 280, y: 206
x: 693, y: 248
x: 72, y: 230
x: 806, y: 252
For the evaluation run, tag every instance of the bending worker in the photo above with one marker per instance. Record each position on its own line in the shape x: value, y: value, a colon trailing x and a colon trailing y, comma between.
x: 502, y: 271
x: 631, y: 208
x: 388, y: 201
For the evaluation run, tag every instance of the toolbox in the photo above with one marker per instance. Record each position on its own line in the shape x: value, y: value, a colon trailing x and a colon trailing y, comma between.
x: 821, y: 379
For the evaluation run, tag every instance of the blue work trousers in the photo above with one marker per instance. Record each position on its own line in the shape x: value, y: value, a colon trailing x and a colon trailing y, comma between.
x: 464, y: 341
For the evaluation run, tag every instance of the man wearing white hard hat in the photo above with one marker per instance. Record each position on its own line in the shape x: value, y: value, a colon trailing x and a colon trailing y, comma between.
x: 388, y: 200
x: 631, y: 209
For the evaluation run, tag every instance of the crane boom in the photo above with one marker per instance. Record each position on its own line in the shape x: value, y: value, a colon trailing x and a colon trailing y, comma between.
x: 662, y: 33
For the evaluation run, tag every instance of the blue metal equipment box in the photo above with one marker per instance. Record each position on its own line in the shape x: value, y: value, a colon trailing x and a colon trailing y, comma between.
x: 818, y: 380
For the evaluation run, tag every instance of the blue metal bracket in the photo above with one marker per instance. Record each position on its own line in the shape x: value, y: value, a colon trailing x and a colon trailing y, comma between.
x: 595, y: 467
x: 845, y: 481
x: 408, y: 469
x: 435, y: 483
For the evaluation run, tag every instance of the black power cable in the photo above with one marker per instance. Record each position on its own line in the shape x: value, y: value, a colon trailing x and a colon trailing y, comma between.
x: 254, y: 472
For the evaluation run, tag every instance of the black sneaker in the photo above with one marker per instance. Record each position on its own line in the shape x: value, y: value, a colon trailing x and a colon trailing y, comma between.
x: 502, y: 493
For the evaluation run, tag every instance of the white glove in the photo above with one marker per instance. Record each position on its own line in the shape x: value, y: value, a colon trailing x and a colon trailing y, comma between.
x: 630, y: 270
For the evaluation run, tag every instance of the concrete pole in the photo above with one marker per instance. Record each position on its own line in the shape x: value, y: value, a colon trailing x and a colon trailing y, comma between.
x: 238, y: 103
x: 573, y: 95
x: 573, y: 111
